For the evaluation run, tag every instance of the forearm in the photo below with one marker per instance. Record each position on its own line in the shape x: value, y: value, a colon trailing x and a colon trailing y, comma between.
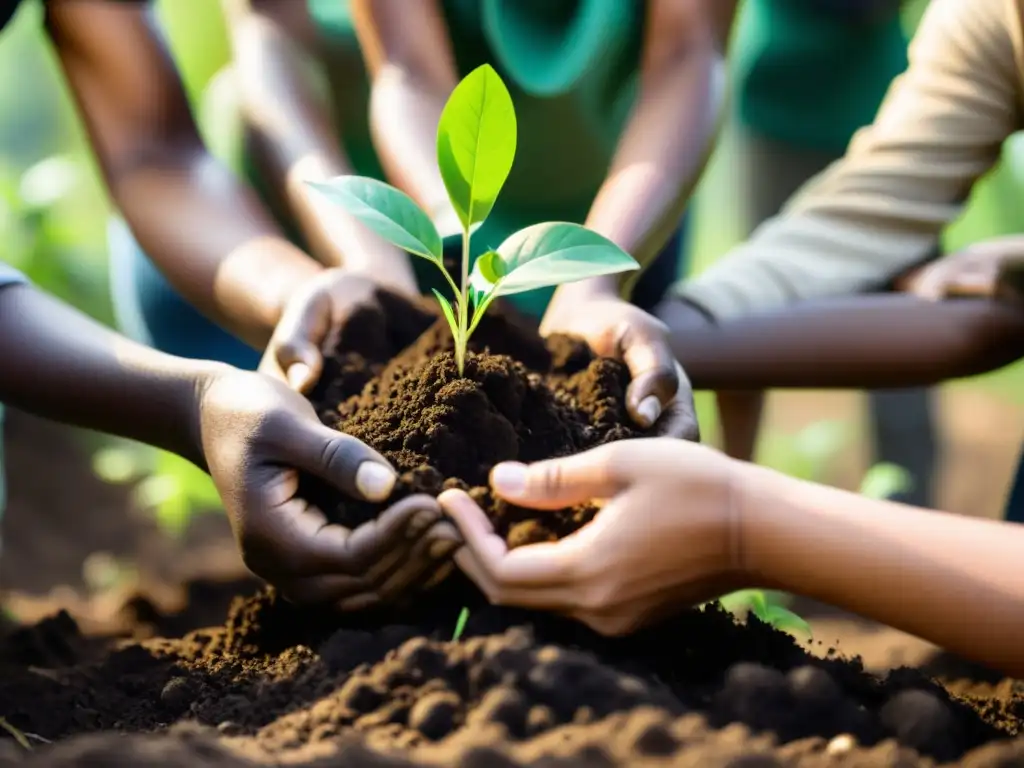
x: 213, y: 240
x: 61, y: 365
x: 295, y: 140
x: 952, y: 580
x: 659, y: 158
x: 860, y: 342
x: 404, y: 112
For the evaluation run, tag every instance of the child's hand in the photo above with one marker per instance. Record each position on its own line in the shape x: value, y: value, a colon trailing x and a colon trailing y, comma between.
x: 668, y: 535
x: 257, y: 436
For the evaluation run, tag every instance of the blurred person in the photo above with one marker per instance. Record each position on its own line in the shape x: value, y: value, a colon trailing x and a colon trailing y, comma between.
x: 617, y: 113
x: 219, y: 244
x: 682, y: 524
x: 844, y: 57
x: 251, y: 432
x: 878, y: 212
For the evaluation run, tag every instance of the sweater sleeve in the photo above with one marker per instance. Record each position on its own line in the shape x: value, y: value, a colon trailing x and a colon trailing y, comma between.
x: 10, y: 276
x: 880, y: 210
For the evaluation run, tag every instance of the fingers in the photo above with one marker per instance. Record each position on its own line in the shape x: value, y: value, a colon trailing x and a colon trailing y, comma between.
x: 299, y: 338
x: 348, y: 464
x: 646, y: 352
x: 500, y: 573
x: 679, y: 420
x: 558, y: 483
x: 375, y: 563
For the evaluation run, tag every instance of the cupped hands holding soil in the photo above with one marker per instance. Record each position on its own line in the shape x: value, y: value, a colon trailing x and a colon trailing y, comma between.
x: 393, y: 383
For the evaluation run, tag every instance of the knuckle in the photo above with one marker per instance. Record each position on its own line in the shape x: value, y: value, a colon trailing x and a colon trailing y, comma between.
x: 549, y: 478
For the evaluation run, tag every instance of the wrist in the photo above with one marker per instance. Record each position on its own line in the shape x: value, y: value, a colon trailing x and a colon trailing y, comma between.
x: 197, y: 381
x: 763, y: 509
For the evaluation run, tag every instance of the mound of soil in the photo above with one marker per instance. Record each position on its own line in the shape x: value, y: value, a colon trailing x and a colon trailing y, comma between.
x: 281, y: 685
x: 394, y: 384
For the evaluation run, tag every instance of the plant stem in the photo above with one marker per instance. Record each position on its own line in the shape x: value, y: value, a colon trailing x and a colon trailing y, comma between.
x: 462, y: 340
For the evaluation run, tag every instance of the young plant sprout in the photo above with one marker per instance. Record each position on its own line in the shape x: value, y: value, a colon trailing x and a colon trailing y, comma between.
x: 476, y: 144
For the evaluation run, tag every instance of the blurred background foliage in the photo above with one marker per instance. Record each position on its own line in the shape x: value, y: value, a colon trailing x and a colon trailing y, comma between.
x: 53, y: 211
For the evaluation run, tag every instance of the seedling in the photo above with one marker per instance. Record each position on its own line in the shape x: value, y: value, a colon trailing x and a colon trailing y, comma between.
x: 460, y: 624
x: 476, y: 145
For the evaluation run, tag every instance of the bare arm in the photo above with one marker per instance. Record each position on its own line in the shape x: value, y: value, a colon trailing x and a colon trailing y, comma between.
x: 50, y: 350
x: 295, y: 138
x: 879, y: 211
x: 671, y: 132
x: 409, y: 56
x: 206, y: 230
x: 955, y: 581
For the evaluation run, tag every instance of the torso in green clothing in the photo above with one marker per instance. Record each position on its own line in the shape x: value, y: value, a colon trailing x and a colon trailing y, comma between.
x: 571, y: 67
x: 813, y: 72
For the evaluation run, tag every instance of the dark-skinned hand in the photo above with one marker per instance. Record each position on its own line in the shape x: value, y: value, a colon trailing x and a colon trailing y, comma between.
x: 257, y: 436
x: 659, y: 393
x: 312, y: 321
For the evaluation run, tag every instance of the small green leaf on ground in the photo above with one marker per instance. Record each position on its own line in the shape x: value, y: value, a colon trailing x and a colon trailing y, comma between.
x: 460, y: 624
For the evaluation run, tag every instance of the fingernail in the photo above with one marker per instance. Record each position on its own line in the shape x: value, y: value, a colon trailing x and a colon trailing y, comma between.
x: 441, y: 549
x: 375, y: 481
x: 509, y: 479
x: 297, y: 375
x: 649, y: 410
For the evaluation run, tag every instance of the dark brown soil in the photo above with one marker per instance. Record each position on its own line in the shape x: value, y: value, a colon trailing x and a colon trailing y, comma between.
x: 275, y: 684
x: 520, y: 399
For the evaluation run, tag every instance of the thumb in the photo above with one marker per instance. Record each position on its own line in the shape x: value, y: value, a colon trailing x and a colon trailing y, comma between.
x: 298, y: 340
x: 652, y: 367
x: 349, y: 464
x: 557, y: 483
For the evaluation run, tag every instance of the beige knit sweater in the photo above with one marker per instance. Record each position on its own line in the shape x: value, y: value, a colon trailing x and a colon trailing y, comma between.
x: 879, y: 210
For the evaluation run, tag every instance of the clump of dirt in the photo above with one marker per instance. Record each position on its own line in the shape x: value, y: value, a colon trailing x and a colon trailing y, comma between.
x: 394, y: 384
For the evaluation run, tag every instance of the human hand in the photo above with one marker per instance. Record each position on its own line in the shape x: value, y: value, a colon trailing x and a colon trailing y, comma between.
x: 993, y: 268
x: 257, y: 436
x: 668, y: 534
x: 659, y: 392
x: 312, y: 321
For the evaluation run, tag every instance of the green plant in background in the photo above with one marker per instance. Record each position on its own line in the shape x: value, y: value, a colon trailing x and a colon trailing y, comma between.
x: 171, y: 487
x: 476, y: 145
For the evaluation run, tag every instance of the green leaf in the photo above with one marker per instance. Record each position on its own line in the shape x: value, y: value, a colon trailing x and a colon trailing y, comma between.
x: 785, y: 620
x: 476, y: 143
x: 460, y: 623
x: 491, y: 267
x: 554, y: 253
x: 884, y: 480
x: 389, y: 212
x: 449, y: 313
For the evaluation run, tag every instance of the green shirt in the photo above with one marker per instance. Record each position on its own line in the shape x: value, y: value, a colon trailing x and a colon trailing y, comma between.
x: 571, y: 67
x: 812, y: 73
